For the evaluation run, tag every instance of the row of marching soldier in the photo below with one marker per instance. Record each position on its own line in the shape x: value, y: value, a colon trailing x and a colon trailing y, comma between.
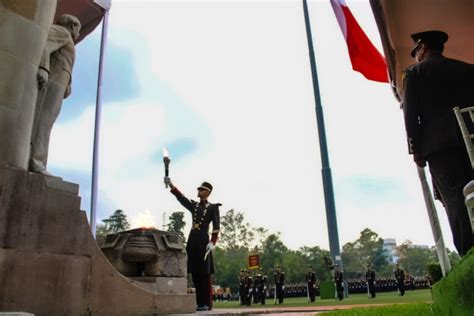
x: 253, y: 289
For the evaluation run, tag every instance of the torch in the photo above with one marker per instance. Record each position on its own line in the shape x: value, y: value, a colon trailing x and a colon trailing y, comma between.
x: 166, y: 161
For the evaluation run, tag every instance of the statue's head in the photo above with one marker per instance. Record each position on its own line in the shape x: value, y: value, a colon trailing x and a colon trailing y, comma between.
x: 71, y: 23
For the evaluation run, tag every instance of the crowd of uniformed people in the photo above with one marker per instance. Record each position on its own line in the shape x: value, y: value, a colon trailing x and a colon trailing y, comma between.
x: 254, y: 288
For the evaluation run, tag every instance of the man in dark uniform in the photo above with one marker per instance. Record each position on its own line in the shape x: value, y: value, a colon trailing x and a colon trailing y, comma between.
x: 432, y: 88
x: 262, y: 287
x: 259, y: 288
x: 241, y: 287
x: 279, y: 284
x: 310, y: 281
x: 248, y: 284
x: 370, y: 279
x: 199, y: 247
x: 339, y: 279
x: 400, y: 277
x: 255, y: 288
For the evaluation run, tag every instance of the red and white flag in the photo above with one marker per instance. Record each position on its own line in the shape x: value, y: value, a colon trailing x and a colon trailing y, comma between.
x: 365, y: 58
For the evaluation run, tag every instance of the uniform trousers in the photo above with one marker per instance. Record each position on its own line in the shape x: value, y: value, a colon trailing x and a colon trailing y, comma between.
x: 451, y: 170
x: 202, y: 283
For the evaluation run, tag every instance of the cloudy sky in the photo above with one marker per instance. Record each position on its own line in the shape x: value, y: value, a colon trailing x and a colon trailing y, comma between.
x: 226, y: 87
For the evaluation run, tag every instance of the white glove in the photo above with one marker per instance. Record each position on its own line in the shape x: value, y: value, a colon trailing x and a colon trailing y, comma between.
x: 210, y: 246
x: 168, y: 182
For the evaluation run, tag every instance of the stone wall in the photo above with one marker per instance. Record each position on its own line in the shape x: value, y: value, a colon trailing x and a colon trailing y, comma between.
x: 51, y: 265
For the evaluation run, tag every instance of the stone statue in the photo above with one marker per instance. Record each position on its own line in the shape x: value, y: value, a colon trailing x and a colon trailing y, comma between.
x: 54, y: 82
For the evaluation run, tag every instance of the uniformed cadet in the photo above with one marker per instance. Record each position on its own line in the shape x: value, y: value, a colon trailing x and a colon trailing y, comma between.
x: 248, y: 284
x: 432, y: 88
x: 370, y: 279
x: 199, y: 247
x: 400, y: 277
x: 241, y: 287
x: 255, y: 288
x: 259, y: 288
x: 339, y: 280
x: 279, y: 277
x: 262, y: 288
x: 310, y: 281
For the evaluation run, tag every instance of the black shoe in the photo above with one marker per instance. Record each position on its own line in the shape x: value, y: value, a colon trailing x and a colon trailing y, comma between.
x: 201, y: 308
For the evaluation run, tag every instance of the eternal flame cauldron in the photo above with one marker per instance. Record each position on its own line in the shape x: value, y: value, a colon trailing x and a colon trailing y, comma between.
x: 146, y: 252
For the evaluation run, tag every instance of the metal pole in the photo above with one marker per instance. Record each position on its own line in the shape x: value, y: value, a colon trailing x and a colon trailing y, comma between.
x: 326, y: 169
x: 434, y: 221
x: 98, y: 111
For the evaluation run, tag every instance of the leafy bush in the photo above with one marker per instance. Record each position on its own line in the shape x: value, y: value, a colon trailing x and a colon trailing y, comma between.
x: 434, y: 271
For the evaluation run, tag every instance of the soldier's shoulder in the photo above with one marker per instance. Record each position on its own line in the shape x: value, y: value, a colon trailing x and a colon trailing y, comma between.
x: 411, y: 70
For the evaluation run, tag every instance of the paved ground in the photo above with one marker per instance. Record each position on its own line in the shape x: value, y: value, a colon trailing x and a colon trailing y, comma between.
x: 279, y: 311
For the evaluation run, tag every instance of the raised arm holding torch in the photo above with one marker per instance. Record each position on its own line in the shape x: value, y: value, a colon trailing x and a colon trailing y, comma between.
x: 166, y: 161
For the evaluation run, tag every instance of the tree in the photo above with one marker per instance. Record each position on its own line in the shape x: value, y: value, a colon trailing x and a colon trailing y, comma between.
x: 117, y: 222
x: 415, y: 260
x: 235, y: 232
x: 368, y: 249
x: 101, y: 233
x: 315, y: 257
x: 228, y: 265
x: 273, y: 253
x: 295, y: 266
x: 176, y: 223
x: 262, y: 234
x: 453, y: 256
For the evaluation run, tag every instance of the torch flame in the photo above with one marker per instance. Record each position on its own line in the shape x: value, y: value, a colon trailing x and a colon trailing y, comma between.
x: 165, y: 152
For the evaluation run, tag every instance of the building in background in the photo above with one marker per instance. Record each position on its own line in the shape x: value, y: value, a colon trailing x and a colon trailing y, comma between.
x: 390, y: 247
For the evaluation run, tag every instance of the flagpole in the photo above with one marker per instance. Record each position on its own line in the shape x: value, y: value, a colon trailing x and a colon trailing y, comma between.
x: 98, y: 112
x: 326, y: 169
x: 434, y: 221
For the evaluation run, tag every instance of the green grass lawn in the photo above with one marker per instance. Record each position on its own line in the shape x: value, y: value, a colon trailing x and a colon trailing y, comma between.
x: 418, y: 296
x: 410, y: 309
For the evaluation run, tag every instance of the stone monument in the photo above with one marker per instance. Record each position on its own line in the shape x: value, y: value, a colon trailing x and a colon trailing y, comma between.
x: 154, y: 258
x: 50, y: 263
x: 23, y: 33
x: 54, y: 81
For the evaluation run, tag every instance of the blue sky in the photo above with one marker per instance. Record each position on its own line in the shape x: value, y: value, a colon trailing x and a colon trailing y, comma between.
x: 226, y: 87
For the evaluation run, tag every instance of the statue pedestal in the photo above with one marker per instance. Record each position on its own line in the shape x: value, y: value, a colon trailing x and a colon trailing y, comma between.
x: 51, y: 265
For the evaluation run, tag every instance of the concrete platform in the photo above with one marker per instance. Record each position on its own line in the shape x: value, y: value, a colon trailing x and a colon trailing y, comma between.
x: 50, y: 263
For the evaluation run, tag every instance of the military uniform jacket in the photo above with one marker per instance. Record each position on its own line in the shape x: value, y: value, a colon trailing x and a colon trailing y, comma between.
x: 370, y: 276
x: 399, y: 275
x: 279, y: 279
x: 338, y: 277
x: 248, y: 283
x: 203, y: 214
x: 432, y: 88
x: 263, y: 282
x: 311, y: 277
